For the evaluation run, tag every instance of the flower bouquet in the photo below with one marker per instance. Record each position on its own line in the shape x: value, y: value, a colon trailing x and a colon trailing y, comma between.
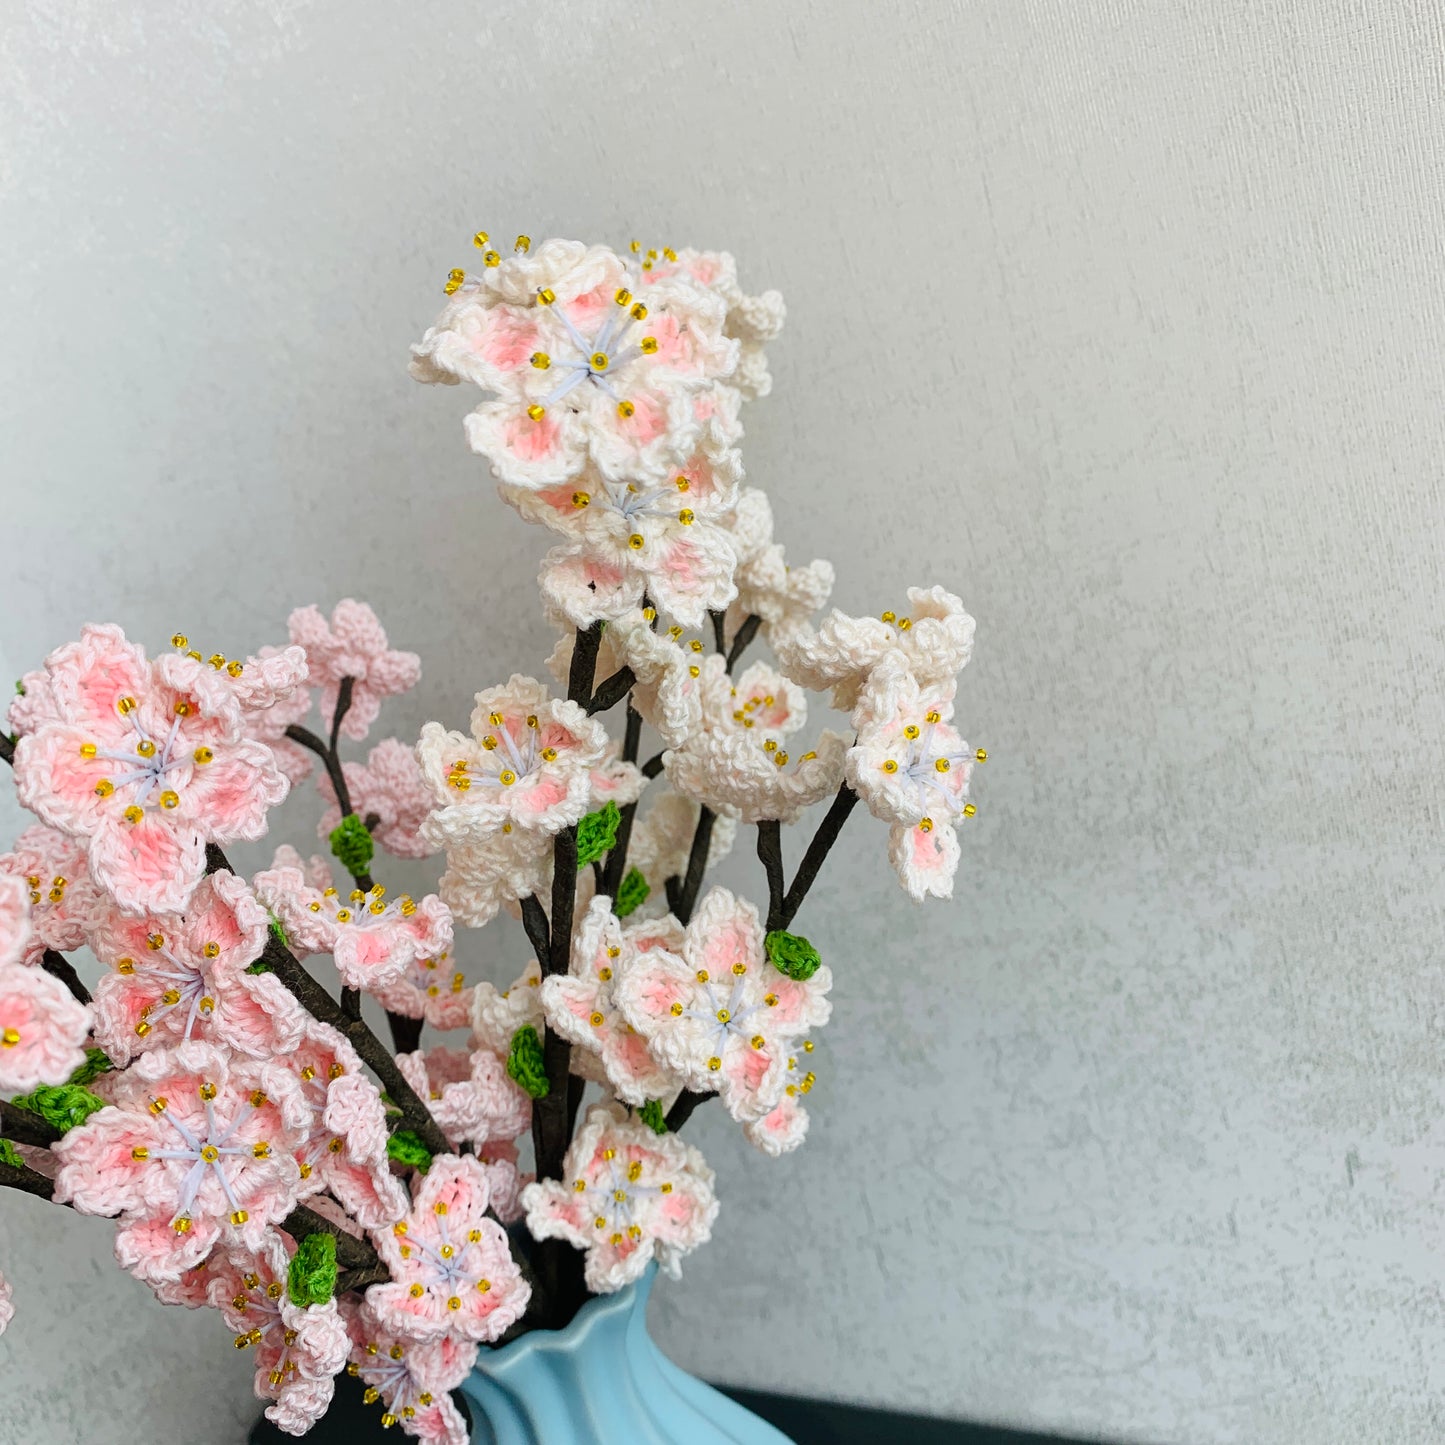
x: 389, y: 1208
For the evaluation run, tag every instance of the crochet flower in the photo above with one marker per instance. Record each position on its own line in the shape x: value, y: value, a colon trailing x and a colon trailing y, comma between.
x: 583, y: 374
x: 452, y: 1271
x: 388, y: 787
x: 911, y: 768
x: 299, y: 1349
x: 527, y: 763
x: 413, y: 1381
x: 721, y: 1016
x: 486, y: 872
x: 180, y: 976
x: 7, y: 1305
x: 430, y: 989
x: 781, y: 1130
x: 343, y: 1149
x: 498, y: 1158
x: 354, y: 645
x: 42, y: 1028
x: 469, y: 1093
x: 662, y: 842
x: 767, y: 586
x: 373, y: 941
x: 64, y: 900
x: 628, y: 1196
x: 498, y: 1014
x: 288, y: 705
x: 147, y: 762
x: 934, y: 638
x: 15, y: 927
x: 667, y: 540
x: 736, y: 764
x: 580, y: 1006
x: 196, y: 1148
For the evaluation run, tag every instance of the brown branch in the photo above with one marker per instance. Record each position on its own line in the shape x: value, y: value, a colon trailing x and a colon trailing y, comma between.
x: 616, y: 869
x: 534, y: 920
x: 58, y: 966
x: 745, y: 634
x: 30, y: 1181
x: 611, y: 691
x: 719, y: 628
x: 7, y: 749
x: 818, y: 849
x: 351, y: 1253
x: 682, y: 1108
x: 22, y: 1127
x: 685, y: 898
x: 770, y: 854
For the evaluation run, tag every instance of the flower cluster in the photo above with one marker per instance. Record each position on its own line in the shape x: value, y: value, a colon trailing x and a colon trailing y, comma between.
x: 387, y: 1208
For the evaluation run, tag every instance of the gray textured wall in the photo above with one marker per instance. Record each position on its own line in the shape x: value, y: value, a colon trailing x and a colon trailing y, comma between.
x: 1120, y: 318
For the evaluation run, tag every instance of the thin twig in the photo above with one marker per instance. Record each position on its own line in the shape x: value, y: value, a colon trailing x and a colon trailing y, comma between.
x: 22, y: 1127
x: 616, y: 869
x: 682, y: 1108
x: 351, y: 1252
x: 770, y: 853
x: 696, y: 866
x: 343, y: 706
x: 653, y: 766
x: 7, y: 749
x: 534, y: 920
x: 719, y: 628
x: 58, y: 966
x: 823, y: 840
x: 30, y: 1181
x: 744, y: 635
x: 611, y: 691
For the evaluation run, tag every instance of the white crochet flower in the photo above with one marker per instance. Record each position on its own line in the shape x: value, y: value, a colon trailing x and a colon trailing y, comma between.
x: 584, y: 374
x: 628, y: 1196
x: 484, y: 874
x: 580, y: 1004
x: 911, y: 768
x: 735, y: 762
x: 767, y: 586
x: 497, y: 1014
x: 935, y: 637
x: 721, y: 1016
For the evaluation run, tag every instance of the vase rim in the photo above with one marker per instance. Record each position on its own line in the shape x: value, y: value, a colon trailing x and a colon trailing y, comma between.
x: 597, y: 1309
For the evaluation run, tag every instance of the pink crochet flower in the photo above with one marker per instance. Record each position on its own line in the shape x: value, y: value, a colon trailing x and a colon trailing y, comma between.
x: 42, y: 1028
x: 580, y: 1005
x: 528, y: 764
x: 299, y: 1349
x: 343, y: 1150
x: 736, y: 762
x: 64, y: 900
x: 146, y: 761
x: 16, y: 936
x: 767, y: 586
x: 721, y: 1017
x: 268, y: 724
x: 452, y: 1271
x: 628, y: 1196
x: 470, y: 1094
x: 197, y: 1148
x: 497, y: 1014
x: 177, y: 977
x: 413, y: 1381
x: 390, y: 787
x: 430, y: 989
x: 583, y: 374
x: 7, y: 1305
x: 373, y: 942
x: 498, y: 1158
x: 911, y: 768
x: 353, y: 645
x: 786, y: 1126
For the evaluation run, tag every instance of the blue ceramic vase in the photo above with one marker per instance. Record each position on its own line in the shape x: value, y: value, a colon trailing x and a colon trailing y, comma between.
x: 602, y: 1381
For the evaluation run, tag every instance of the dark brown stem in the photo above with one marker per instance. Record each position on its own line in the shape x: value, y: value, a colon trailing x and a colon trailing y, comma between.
x: 818, y: 849
x: 351, y: 1002
x: 534, y: 920
x: 686, y: 896
x: 681, y: 1110
x: 405, y: 1032
x: 7, y: 749
x: 343, y: 706
x: 745, y: 634
x: 58, y: 966
x: 358, y: 1279
x: 351, y: 1252
x: 611, y: 691
x: 332, y: 762
x: 653, y: 766
x: 20, y: 1126
x: 21, y: 1176
x: 719, y: 629
x: 770, y: 853
x: 616, y: 869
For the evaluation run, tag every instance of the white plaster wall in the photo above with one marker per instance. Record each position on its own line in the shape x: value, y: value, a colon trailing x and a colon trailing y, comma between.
x: 1120, y: 318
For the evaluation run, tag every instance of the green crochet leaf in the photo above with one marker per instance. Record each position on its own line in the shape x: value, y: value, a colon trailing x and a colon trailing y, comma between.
x: 596, y: 834
x: 311, y: 1278
x: 651, y: 1115
x: 792, y: 954
x: 8, y: 1155
x: 352, y: 845
x: 66, y: 1106
x: 631, y: 894
x: 404, y: 1147
x: 96, y: 1064
x: 525, y: 1063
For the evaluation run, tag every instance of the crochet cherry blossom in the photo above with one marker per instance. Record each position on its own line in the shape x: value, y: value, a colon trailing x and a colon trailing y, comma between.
x: 343, y: 1148
x: 469, y: 1093
x: 373, y: 940
x: 413, y: 1381
x: 7, y: 1304
x: 389, y: 789
x: 911, y: 768
x: 268, y: 724
x: 934, y: 637
x: 486, y: 872
x: 15, y: 927
x: 584, y: 375
x: 736, y: 762
x: 662, y: 840
x: 432, y: 989
x: 64, y: 900
x: 180, y: 976
x: 781, y: 1130
x: 527, y: 764
x: 452, y: 1272
x: 146, y: 761
x: 298, y: 1349
x: 497, y: 1014
x: 720, y: 1016
x: 196, y: 1148
x: 353, y: 644
x: 580, y: 1006
x: 627, y: 1196
x: 42, y: 1028
x: 767, y: 586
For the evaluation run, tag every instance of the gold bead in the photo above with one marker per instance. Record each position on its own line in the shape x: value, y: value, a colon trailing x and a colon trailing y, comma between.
x: 669, y: 253
x: 180, y: 640
x: 396, y: 1352
x: 677, y: 1010
x: 649, y: 614
x: 580, y: 1185
x: 480, y: 240
x: 241, y: 1341
x: 258, y: 1098
x: 343, y: 915
x: 639, y: 312
x: 546, y: 296
x: 648, y: 345
x: 134, y: 813
x: 158, y: 1106
x: 142, y: 1029
x: 10, y: 1037
x: 183, y: 708
x: 969, y: 810
x: 440, y: 1207
x: 155, y: 941
x: 182, y: 1225
x: 609, y: 1153
x: 605, y: 974
x: 620, y: 1195
x: 932, y: 715
x: 714, y: 1063
x: 217, y: 660
x: 740, y: 968
x: 239, y: 1217
x: 336, y: 1146
x: 490, y: 259
x: 541, y: 360
x: 522, y: 245
x: 125, y: 965
x: 664, y: 1188
x: 146, y: 748
x: 104, y: 788
x: 425, y: 1398
x: 890, y: 617
x: 207, y: 1090
x: 450, y: 287
x: 771, y: 1000
x: 770, y: 746
x: 702, y: 975
x: 484, y: 1286
x: 210, y: 1153
x: 140, y: 1152
x: 941, y: 765
x: 890, y: 765
x: 904, y: 624
x: 506, y: 777
x: 634, y: 246
x: 636, y: 541
x: 981, y: 755
x: 261, y: 1150
x: 416, y: 1291
x: 808, y: 757
x: 683, y: 484
x: 757, y: 1041
x: 235, y: 668
x: 911, y: 731
x: 88, y: 750
x: 447, y: 1251
x: 536, y: 411
x: 599, y: 1223
x: 723, y: 1015
x: 211, y: 949
x: 125, y: 705
x: 371, y: 1395
x: 581, y: 499
x: 305, y: 1170
x: 170, y: 799
x: 596, y: 1019
x: 781, y: 760
x: 622, y: 296
x: 203, y: 756
x: 694, y: 671
x: 625, y: 409
x: 925, y: 825
x: 686, y: 517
